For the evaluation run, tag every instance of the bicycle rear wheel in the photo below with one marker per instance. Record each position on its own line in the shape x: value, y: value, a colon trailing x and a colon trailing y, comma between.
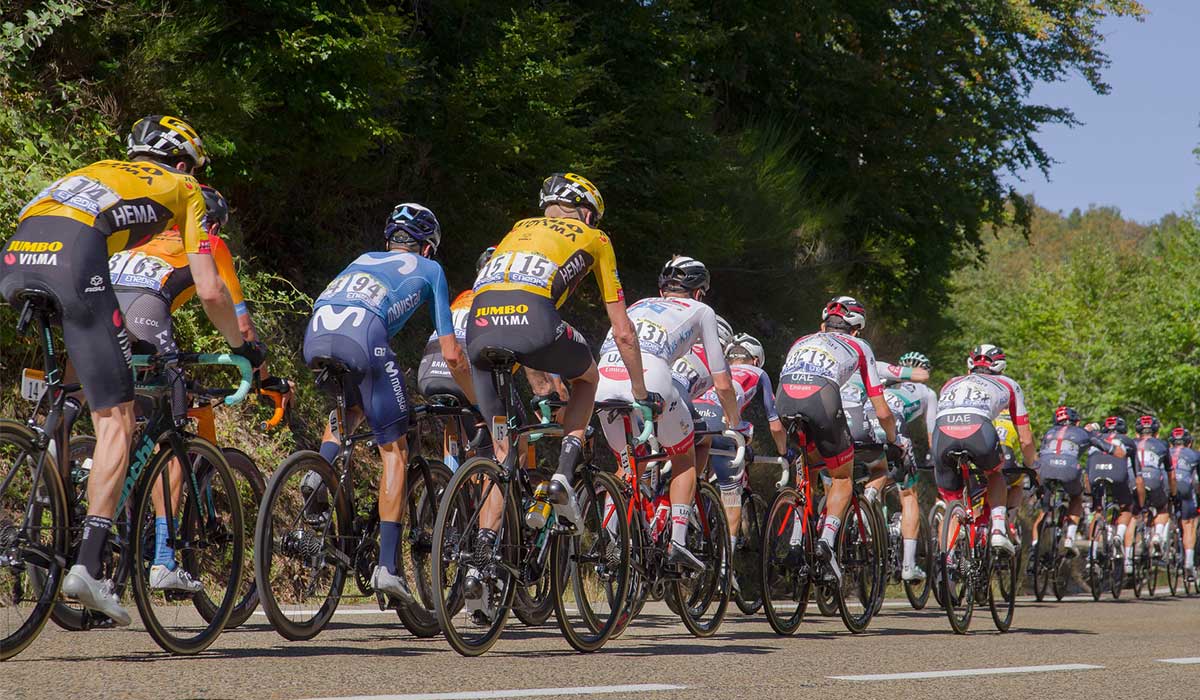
x: 474, y: 627
x: 859, y: 546
x: 1097, y: 561
x: 747, y: 556
x: 591, y: 568
x: 1002, y: 593
x: 957, y: 575
x: 937, y: 515
x: 704, y: 596
x: 33, y: 538
x: 300, y: 559
x: 785, y: 570
x: 1060, y: 570
x: 250, y: 487
x: 918, y: 593
x: 417, y: 548
x: 1173, y: 549
x: 1043, y: 561
x: 208, y: 544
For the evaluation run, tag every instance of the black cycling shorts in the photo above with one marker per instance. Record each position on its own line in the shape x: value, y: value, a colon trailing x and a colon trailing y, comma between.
x: 1118, y: 491
x: 1062, y: 469
x: 434, y: 378
x: 819, y: 402
x: 530, y: 327
x: 862, y: 430
x: 70, y: 260
x: 148, y: 319
x: 968, y: 433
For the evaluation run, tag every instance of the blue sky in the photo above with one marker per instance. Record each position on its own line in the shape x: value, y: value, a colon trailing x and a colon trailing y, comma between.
x: 1134, y: 148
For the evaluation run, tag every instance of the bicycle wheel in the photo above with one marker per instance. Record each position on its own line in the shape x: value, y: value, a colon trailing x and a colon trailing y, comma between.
x: 250, y: 487
x: 533, y: 604
x: 785, y: 577
x: 1116, y: 565
x: 747, y: 556
x: 1043, y: 560
x: 33, y: 538
x: 958, y: 587
x: 918, y: 593
x: 1002, y: 593
x: 704, y: 596
x: 591, y: 567
x: 1173, y: 549
x: 1151, y: 571
x: 1097, y: 561
x: 1060, y: 569
x: 859, y: 554
x: 208, y: 544
x: 472, y: 629
x: 937, y: 515
x: 423, y: 498
x: 300, y: 548
x: 639, y: 587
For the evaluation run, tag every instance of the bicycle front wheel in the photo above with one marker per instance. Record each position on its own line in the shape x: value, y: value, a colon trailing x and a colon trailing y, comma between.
x: 1173, y: 549
x: 424, y: 495
x: 704, y: 597
x: 747, y: 556
x: 33, y: 538
x: 918, y: 593
x: 250, y: 487
x: 785, y: 568
x: 208, y: 544
x: 958, y: 589
x: 1097, y: 561
x: 860, y: 546
x: 1002, y: 593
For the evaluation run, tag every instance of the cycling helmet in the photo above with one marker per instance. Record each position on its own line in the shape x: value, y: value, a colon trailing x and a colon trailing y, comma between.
x: 724, y: 331
x: 915, y: 359
x: 989, y: 358
x: 571, y: 190
x: 1181, y: 436
x: 848, y: 309
x: 683, y: 274
x: 217, y: 209
x: 746, y: 345
x: 484, y: 258
x: 168, y: 139
x: 1116, y: 423
x: 1065, y: 414
x: 412, y: 223
x: 1147, y: 424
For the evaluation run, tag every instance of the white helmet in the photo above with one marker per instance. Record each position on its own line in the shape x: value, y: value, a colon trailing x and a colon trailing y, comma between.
x: 724, y: 331
x: 848, y: 309
x: 987, y: 358
x: 746, y: 343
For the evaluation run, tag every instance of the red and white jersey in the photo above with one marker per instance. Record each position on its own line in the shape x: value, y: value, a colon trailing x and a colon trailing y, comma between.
x: 691, y: 372
x: 667, y: 328
x: 834, y: 357
x: 984, y: 395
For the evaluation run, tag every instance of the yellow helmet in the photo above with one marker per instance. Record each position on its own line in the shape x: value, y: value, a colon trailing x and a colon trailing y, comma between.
x: 166, y: 138
x: 573, y: 191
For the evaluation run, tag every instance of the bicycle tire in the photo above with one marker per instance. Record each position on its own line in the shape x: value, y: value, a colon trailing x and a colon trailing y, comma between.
x: 419, y: 617
x: 1151, y: 572
x: 918, y: 593
x: 1097, y: 561
x: 17, y: 445
x: 448, y: 537
x: 1042, y: 561
x: 1060, y: 569
x: 708, y: 539
x: 957, y: 584
x: 282, y: 510
x: 220, y: 540
x: 858, y: 547
x: 1174, y: 557
x: 638, y: 589
x: 251, y: 486
x: 785, y: 586
x: 937, y: 514
x: 747, y: 557
x: 1002, y: 590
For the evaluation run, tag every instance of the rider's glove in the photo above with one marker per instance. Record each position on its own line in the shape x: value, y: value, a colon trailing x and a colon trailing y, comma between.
x: 654, y: 401
x: 254, y: 351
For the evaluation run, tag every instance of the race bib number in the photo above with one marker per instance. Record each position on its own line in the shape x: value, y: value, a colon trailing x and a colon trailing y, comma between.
x: 530, y: 269
x: 357, y: 286
x: 136, y: 269
x: 33, y: 384
x: 82, y: 193
x: 810, y: 360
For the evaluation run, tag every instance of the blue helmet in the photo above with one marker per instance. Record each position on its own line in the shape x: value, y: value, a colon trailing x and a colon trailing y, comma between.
x: 412, y: 223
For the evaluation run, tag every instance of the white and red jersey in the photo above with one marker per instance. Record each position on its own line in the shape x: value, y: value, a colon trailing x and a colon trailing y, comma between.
x: 691, y: 372
x: 749, y: 382
x: 984, y: 395
x: 667, y: 328
x: 833, y: 357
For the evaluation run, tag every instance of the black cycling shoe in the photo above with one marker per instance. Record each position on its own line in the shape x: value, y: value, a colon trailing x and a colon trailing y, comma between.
x: 682, y: 556
x: 316, y: 499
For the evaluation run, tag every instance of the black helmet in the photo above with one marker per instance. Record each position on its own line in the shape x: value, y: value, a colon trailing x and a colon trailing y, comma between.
x: 683, y: 274
x: 1065, y: 414
x: 169, y: 139
x: 571, y: 190
x: 217, y: 209
x: 1148, y: 424
x: 484, y: 258
x: 412, y: 223
x: 1181, y: 436
x: 1116, y: 423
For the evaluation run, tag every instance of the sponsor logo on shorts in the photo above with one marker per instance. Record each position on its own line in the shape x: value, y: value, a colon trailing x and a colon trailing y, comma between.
x: 380, y: 352
x: 35, y: 246
x: 97, y: 285
x: 47, y: 259
x: 397, y: 385
x: 10, y: 259
x: 506, y: 310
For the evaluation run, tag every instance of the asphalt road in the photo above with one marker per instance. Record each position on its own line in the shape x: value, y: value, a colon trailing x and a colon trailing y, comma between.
x: 1069, y: 649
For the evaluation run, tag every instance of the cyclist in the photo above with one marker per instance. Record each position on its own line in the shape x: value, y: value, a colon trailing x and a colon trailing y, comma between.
x: 367, y: 304
x: 1185, y: 461
x: 1122, y: 472
x: 537, y: 266
x: 1058, y: 458
x: 664, y: 325
x: 909, y: 400
x: 691, y: 372
x: 816, y: 367
x: 966, y: 408
x: 1155, y: 477
x: 64, y: 238
x: 152, y: 281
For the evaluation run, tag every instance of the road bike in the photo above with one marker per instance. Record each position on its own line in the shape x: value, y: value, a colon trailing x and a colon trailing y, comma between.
x: 1105, y: 568
x: 746, y: 554
x: 1050, y: 559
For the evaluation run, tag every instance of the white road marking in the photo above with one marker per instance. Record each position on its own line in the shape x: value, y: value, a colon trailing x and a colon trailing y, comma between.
x: 522, y: 693
x: 1184, y: 660
x: 916, y: 675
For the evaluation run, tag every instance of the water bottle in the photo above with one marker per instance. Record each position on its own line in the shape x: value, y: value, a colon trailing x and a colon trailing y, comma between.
x: 539, y: 510
x: 662, y: 515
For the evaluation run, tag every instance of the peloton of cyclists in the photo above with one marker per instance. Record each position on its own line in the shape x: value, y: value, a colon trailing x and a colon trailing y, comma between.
x: 1185, y: 461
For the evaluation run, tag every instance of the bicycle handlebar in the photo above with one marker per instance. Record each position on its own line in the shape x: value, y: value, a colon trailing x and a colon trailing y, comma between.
x: 221, y: 358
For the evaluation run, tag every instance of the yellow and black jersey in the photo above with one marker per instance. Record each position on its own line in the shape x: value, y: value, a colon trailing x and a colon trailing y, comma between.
x: 127, y: 202
x: 550, y: 257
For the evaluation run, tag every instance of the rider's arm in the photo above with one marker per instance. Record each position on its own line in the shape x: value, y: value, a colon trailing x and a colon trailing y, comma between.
x: 1113, y: 448
x: 625, y: 337
x: 1025, y: 435
x: 884, y: 414
x: 225, y: 268
x: 778, y: 434
x: 727, y: 395
x: 214, y: 296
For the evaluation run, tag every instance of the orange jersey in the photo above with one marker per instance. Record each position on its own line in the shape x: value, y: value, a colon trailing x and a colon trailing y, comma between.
x: 160, y: 265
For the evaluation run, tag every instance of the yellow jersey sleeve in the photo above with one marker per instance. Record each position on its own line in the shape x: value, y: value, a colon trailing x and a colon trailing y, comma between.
x: 605, y: 269
x: 192, y: 211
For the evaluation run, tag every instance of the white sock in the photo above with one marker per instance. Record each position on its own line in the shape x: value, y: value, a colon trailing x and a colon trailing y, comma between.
x: 679, y: 523
x: 910, y: 553
x: 732, y: 542
x: 998, y: 519
x: 1129, y: 553
x: 1072, y: 530
x: 797, y: 537
x: 1189, y: 558
x: 1121, y: 531
x: 1160, y: 530
x: 829, y: 530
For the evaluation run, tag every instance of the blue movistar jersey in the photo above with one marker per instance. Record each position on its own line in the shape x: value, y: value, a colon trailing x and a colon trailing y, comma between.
x: 392, y: 286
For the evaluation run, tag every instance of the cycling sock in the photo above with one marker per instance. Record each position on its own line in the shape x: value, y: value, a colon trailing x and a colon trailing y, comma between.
x: 1160, y: 531
x: 1189, y: 558
x: 999, y: 516
x: 95, y: 535
x: 329, y: 450
x: 679, y: 523
x: 910, y: 554
x: 164, y: 553
x: 569, y: 456
x: 1121, y: 532
x: 829, y: 530
x: 733, y: 543
x: 389, y: 538
x: 1072, y: 530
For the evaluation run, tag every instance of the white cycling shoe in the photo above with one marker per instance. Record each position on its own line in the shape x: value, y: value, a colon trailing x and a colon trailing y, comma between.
x: 1001, y: 541
x: 912, y: 574
x: 177, y: 579
x: 94, y: 594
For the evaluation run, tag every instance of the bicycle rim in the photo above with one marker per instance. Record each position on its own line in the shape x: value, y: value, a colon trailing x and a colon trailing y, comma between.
x: 300, y: 564
x: 862, y: 569
x: 747, y: 557
x: 250, y: 489
x: 785, y: 586
x: 1002, y: 593
x: 957, y: 580
x: 704, y: 596
x: 419, y: 617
